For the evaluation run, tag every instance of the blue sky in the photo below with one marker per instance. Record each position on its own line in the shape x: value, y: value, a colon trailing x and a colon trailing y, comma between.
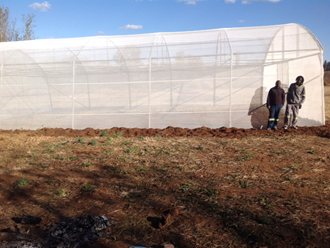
x: 75, y: 18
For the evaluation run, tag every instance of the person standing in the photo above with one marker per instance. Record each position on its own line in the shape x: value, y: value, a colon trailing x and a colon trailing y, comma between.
x: 295, y: 98
x: 275, y: 102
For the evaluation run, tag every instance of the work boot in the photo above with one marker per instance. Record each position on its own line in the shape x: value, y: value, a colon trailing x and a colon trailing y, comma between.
x: 295, y: 127
x: 286, y: 127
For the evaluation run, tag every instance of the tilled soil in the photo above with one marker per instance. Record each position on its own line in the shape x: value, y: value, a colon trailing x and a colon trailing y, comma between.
x: 224, y: 187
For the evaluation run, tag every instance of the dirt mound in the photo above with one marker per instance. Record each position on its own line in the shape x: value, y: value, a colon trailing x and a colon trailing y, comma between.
x: 323, y: 131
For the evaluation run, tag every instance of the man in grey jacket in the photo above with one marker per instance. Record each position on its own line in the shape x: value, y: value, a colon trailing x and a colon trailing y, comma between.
x: 295, y: 98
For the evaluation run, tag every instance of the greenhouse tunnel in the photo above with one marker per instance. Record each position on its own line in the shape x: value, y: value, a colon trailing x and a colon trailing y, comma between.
x: 212, y: 78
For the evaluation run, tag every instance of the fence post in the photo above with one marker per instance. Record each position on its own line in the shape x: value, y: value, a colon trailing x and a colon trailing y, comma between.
x: 73, y: 93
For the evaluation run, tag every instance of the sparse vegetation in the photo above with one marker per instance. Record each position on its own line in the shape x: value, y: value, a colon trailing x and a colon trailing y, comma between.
x: 61, y: 193
x: 104, y: 133
x: 86, y: 164
x: 117, y: 135
x: 80, y: 140
x: 21, y: 183
x: 88, y: 188
x: 93, y: 142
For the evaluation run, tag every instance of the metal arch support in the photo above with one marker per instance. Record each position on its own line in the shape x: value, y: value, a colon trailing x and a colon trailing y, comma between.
x: 215, y: 69
x: 75, y: 55
x: 321, y: 66
x: 128, y: 75
x: 170, y: 64
x: 313, y: 36
x: 43, y: 73
x: 149, y: 81
x: 271, y: 42
x: 322, y: 88
x: 75, y: 59
x: 73, y: 93
x: 320, y: 56
x: 73, y: 110
x: 231, y: 79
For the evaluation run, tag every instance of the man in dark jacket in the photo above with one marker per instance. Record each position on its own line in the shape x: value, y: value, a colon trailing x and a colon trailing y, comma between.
x: 295, y: 98
x: 275, y: 102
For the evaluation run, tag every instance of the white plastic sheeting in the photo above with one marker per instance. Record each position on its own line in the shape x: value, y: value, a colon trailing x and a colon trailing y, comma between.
x: 207, y: 78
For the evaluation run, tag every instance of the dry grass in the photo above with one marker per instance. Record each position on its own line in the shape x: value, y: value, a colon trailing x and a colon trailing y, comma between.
x: 260, y: 191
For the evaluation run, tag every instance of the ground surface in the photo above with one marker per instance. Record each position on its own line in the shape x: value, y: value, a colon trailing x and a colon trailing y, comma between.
x: 221, y: 187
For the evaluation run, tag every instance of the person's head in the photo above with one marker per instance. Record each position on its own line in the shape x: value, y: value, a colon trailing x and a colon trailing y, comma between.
x: 300, y: 80
x: 278, y: 83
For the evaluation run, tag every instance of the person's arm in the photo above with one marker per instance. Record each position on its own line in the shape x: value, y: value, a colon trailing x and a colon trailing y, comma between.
x: 283, y: 97
x: 288, y: 94
x: 302, y: 95
x: 268, y: 99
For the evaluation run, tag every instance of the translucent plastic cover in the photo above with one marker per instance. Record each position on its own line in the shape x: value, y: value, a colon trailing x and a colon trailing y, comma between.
x: 210, y: 78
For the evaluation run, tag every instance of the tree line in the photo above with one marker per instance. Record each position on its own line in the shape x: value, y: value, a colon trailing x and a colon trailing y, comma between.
x: 9, y: 30
x: 326, y: 65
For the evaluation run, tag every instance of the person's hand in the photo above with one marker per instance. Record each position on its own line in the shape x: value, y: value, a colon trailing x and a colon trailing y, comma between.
x: 268, y: 106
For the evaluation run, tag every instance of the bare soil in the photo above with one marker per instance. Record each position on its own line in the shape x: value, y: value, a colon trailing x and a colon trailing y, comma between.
x: 201, y: 187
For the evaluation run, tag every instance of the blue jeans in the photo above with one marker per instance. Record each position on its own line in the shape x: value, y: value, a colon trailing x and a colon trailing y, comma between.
x: 274, y: 113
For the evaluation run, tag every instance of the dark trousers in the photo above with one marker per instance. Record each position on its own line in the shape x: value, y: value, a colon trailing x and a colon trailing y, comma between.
x: 274, y: 113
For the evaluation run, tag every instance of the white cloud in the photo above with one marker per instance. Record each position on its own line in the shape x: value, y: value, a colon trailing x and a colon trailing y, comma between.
x: 44, y: 6
x: 189, y: 2
x: 132, y: 27
x: 241, y: 21
x: 230, y: 1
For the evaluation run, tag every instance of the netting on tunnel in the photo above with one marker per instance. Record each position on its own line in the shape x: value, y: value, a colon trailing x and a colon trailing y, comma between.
x: 212, y: 78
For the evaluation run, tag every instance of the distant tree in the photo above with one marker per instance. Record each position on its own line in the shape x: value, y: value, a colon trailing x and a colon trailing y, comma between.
x: 4, y: 24
x: 8, y: 29
x: 325, y: 65
x: 28, y: 27
x: 13, y: 33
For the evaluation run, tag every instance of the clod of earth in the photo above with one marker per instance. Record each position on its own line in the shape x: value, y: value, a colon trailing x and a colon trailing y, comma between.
x: 167, y: 217
x: 27, y: 219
